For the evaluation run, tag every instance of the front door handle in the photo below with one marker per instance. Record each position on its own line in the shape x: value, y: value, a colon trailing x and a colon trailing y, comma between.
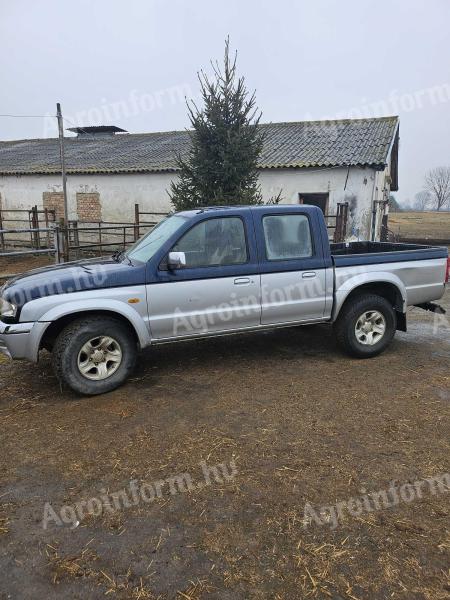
x: 242, y: 281
x: 308, y: 274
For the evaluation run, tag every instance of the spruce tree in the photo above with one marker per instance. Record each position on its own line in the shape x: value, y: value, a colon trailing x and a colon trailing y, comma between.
x: 225, y: 143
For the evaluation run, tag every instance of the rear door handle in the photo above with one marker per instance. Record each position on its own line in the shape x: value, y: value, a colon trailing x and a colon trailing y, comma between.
x: 242, y: 281
x: 308, y: 274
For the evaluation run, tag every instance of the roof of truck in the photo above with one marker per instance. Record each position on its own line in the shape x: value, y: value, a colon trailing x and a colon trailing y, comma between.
x: 276, y: 208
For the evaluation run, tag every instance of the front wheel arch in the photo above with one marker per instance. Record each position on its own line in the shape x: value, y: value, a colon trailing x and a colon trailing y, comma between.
x: 54, y: 329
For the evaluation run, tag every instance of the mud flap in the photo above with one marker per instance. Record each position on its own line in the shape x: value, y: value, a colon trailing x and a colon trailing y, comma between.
x: 401, y: 321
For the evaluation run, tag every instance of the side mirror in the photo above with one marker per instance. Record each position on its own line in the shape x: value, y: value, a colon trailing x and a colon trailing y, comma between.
x: 176, y: 260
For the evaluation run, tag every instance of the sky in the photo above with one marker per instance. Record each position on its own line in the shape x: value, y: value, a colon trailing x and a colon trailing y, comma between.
x: 132, y: 64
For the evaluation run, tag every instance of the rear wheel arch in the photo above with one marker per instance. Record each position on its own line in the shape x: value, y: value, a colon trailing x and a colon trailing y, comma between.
x: 386, y: 289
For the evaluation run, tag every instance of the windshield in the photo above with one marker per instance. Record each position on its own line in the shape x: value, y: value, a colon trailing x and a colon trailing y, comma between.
x: 145, y: 248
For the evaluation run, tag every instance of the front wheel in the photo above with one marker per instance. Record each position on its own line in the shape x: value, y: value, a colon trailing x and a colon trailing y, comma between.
x: 94, y: 355
x: 366, y: 325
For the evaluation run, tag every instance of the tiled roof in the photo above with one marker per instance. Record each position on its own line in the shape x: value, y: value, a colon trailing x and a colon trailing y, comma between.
x: 359, y: 142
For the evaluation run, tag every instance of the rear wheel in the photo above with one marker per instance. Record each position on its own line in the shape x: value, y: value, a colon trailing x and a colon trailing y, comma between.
x: 94, y: 355
x: 366, y: 325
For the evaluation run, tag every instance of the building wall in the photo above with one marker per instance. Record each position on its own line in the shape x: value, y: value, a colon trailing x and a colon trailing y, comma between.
x: 114, y: 196
x: 117, y: 193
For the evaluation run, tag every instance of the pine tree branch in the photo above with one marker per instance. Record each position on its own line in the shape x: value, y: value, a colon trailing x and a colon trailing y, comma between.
x: 221, y: 163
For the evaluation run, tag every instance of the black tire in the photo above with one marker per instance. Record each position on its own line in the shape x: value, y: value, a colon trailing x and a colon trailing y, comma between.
x: 352, y: 311
x: 69, y: 344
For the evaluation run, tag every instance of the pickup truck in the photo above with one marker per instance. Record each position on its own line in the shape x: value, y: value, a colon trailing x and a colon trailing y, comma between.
x: 210, y: 272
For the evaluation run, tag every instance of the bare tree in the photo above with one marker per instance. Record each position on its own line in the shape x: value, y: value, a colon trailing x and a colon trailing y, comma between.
x: 423, y: 200
x: 437, y: 183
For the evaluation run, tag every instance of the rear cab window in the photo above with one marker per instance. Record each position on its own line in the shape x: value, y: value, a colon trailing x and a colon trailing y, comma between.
x: 287, y: 237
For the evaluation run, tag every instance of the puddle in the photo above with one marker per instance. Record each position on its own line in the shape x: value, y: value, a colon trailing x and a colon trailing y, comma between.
x: 443, y: 394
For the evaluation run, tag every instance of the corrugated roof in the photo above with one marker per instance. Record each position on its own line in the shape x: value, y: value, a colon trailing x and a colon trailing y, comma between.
x: 358, y: 142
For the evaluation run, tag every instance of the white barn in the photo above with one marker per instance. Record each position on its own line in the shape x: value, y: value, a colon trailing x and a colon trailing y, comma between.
x: 332, y: 164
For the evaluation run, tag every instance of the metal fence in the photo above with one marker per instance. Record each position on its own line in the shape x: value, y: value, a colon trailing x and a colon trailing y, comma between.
x: 34, y: 223
x: 54, y: 239
x: 26, y: 232
x: 98, y: 238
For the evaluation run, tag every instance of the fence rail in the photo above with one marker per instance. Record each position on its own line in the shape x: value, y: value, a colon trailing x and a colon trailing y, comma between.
x: 37, y: 221
x: 55, y: 245
x: 30, y: 231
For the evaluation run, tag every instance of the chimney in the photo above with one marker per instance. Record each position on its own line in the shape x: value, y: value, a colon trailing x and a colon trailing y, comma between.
x: 96, y: 131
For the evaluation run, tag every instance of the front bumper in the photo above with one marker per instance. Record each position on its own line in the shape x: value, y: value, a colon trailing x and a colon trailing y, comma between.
x: 21, y: 340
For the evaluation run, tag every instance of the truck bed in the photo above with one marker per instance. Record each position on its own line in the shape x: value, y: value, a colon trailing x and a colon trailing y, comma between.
x: 367, y: 253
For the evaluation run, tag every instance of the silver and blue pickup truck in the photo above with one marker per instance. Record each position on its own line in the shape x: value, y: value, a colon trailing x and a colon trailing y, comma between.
x: 210, y: 272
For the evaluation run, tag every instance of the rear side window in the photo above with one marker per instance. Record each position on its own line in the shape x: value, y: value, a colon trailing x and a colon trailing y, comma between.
x: 214, y: 243
x: 287, y: 237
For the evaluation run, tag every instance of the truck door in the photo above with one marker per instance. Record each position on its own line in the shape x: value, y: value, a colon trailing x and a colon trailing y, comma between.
x: 219, y: 287
x: 293, y: 273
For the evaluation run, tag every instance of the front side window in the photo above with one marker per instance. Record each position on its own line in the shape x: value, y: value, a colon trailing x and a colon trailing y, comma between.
x: 213, y: 243
x: 287, y: 237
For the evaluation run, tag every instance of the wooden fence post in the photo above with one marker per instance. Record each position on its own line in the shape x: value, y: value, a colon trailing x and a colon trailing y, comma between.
x: 47, y: 226
x: 57, y: 238
x: 100, y: 238
x: 30, y: 226
x: 136, y: 222
x: 338, y: 224
x: 64, y: 240
x: 2, y: 237
x: 76, y: 238
x: 344, y: 221
x: 35, y: 225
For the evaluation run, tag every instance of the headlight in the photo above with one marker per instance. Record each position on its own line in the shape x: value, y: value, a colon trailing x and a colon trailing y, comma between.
x: 7, y: 309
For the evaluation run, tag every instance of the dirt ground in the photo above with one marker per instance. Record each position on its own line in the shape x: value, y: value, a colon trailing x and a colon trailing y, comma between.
x: 303, y: 423
x: 19, y: 264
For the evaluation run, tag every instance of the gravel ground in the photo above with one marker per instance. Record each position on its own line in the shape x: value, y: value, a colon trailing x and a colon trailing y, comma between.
x: 293, y: 420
